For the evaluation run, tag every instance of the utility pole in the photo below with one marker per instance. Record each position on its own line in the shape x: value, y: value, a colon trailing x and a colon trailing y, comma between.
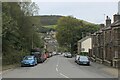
x: 33, y: 36
x: 82, y: 34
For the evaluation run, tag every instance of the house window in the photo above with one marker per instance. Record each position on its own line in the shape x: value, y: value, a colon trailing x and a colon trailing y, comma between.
x: 116, y: 54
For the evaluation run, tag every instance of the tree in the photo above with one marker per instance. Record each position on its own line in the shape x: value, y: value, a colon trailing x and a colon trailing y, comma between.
x: 18, y: 30
x: 66, y: 30
x: 70, y: 30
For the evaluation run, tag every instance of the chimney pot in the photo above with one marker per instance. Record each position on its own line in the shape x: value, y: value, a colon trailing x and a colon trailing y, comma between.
x: 108, y: 22
x: 116, y: 17
x: 107, y: 17
x: 101, y: 26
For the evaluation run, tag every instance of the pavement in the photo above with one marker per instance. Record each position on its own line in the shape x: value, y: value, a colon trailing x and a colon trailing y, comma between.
x: 61, y: 67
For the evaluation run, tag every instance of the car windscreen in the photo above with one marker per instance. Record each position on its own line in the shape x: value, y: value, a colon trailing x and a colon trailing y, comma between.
x: 68, y: 53
x: 35, y: 52
x: 83, y: 59
x: 28, y: 58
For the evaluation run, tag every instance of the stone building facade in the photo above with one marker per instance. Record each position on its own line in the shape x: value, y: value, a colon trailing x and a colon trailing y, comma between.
x: 106, y: 43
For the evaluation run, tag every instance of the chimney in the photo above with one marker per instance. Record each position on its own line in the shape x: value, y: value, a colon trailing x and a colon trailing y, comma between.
x: 102, y: 26
x: 117, y: 16
x: 108, y: 21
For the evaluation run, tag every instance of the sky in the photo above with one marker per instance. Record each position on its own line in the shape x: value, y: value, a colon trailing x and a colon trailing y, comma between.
x: 92, y: 11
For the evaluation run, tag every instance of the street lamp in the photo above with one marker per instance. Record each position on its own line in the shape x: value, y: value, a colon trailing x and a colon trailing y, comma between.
x: 33, y: 25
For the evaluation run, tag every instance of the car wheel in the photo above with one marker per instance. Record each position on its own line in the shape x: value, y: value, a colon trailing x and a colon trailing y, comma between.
x: 36, y: 63
x: 42, y: 61
x: 88, y: 64
x: 79, y: 63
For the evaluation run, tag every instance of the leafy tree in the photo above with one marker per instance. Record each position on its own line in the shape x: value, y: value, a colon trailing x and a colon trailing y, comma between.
x: 18, y: 31
x: 70, y: 30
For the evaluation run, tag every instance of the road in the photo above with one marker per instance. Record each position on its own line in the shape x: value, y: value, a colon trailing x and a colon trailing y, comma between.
x: 59, y: 67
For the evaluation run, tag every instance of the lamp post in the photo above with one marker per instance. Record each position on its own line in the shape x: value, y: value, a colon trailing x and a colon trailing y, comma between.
x: 33, y: 25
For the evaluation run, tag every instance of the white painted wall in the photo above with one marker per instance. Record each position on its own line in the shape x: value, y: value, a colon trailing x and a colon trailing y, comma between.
x: 86, y: 45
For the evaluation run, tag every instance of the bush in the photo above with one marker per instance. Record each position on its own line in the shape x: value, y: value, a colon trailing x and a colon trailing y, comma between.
x: 84, y: 53
x: 13, y: 58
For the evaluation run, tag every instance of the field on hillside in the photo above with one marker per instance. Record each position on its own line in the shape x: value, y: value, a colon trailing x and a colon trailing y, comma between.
x: 51, y: 26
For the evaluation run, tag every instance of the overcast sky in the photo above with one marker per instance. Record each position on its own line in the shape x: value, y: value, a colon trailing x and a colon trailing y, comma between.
x: 88, y: 11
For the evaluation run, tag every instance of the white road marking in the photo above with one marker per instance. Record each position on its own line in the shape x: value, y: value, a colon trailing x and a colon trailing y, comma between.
x: 56, y: 65
x: 57, y: 69
x: 63, y: 75
x: 57, y: 61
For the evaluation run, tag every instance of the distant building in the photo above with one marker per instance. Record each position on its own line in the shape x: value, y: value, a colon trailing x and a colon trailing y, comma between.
x: 53, y: 34
x: 85, y: 44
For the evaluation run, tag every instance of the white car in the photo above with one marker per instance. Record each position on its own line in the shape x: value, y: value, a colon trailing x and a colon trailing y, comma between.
x: 54, y: 53
x: 59, y: 53
x: 65, y: 54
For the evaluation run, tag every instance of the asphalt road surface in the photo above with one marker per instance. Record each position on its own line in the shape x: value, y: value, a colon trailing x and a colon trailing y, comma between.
x: 59, y: 67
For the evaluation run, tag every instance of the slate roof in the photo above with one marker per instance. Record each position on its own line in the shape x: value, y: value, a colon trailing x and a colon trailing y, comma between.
x: 115, y: 24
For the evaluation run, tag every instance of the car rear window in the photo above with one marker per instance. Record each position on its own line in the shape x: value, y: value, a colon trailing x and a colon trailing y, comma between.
x: 28, y: 58
x: 35, y: 52
x: 83, y: 58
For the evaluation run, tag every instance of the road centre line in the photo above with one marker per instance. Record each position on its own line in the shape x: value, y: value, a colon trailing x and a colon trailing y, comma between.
x: 57, y: 62
x: 56, y: 69
x: 59, y: 72
x: 63, y: 75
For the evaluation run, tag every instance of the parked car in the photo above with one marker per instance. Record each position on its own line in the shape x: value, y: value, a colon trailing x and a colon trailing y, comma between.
x: 77, y: 57
x: 68, y: 55
x: 39, y: 55
x: 83, y: 60
x: 29, y: 61
x: 49, y: 54
x: 65, y: 54
x: 45, y: 56
x: 54, y: 53
x: 59, y: 53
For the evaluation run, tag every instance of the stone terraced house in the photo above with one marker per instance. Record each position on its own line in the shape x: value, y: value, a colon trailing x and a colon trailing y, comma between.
x: 106, y: 43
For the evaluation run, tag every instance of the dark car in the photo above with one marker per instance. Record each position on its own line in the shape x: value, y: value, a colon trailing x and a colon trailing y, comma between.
x: 83, y: 60
x: 29, y: 61
x: 39, y: 54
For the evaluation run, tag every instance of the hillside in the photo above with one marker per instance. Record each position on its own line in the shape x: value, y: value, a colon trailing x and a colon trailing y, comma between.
x: 49, y: 22
x: 49, y: 19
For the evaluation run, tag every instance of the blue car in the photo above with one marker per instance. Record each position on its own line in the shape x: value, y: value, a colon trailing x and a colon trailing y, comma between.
x: 29, y: 61
x: 83, y: 60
